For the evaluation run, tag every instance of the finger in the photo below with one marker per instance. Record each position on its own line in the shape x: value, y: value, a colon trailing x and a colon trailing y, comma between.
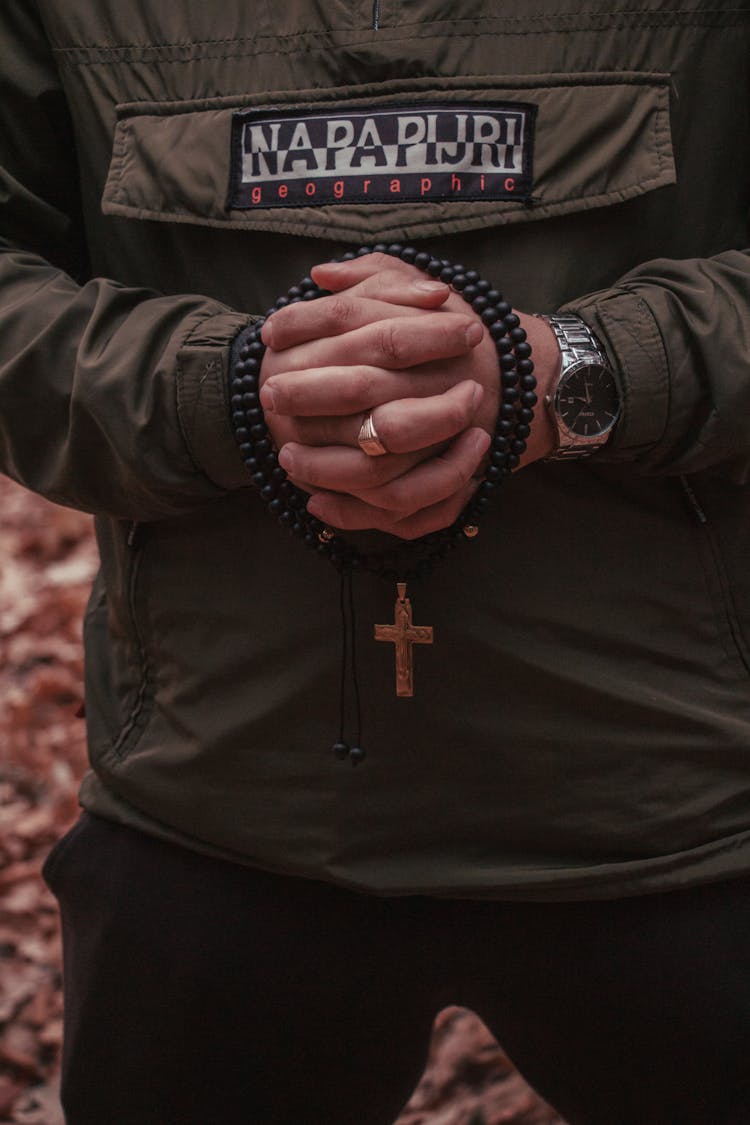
x: 395, y: 344
x: 337, y: 391
x: 342, y: 275
x: 350, y: 514
x: 377, y: 298
x: 433, y: 480
x: 404, y: 425
x: 340, y: 468
x: 410, y: 424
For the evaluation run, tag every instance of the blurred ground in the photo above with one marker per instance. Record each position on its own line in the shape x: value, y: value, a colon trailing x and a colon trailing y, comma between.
x: 47, y: 561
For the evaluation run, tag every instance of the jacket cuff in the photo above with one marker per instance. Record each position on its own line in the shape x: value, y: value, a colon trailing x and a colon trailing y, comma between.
x: 625, y: 326
x: 203, y: 398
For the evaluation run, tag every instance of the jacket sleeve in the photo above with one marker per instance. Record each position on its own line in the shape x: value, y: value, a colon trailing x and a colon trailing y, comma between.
x: 112, y: 399
x: 678, y: 334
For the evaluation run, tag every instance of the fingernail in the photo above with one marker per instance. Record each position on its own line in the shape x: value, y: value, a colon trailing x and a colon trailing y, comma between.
x: 476, y: 397
x: 481, y: 442
x: 267, y: 334
x: 474, y: 333
x: 286, y: 459
x: 267, y: 398
x: 314, y: 507
x: 429, y: 286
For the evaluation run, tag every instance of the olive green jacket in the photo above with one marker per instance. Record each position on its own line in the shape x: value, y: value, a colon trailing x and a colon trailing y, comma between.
x: 581, y: 726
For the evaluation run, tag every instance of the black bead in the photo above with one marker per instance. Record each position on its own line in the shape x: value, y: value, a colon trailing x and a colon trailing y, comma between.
x: 523, y: 351
x: 525, y: 367
x: 489, y: 316
x: 523, y: 431
x: 472, y: 277
x: 434, y: 267
x: 364, y: 251
x: 510, y: 394
x: 379, y: 248
x: 242, y: 433
x: 447, y: 274
x: 499, y: 445
x: 511, y: 321
x: 348, y: 256
x: 306, y: 284
x: 310, y: 295
x: 525, y: 415
x: 508, y: 378
x: 470, y: 291
x: 256, y: 349
x: 341, y: 750
x: 238, y: 417
x: 282, y: 302
x: 507, y: 412
x: 459, y: 281
x: 250, y: 399
x: 493, y: 296
x: 503, y: 308
x: 493, y: 473
x: 267, y: 493
x: 394, y: 249
x: 246, y: 449
x: 293, y: 292
x: 528, y: 398
x: 507, y: 363
x: 262, y: 447
x: 479, y: 304
x: 497, y: 332
x: 483, y: 287
x: 517, y: 335
x: 356, y: 755
x: 513, y: 460
x: 258, y: 431
x: 528, y: 382
x: 422, y: 260
x: 505, y: 426
x: 408, y: 254
x: 517, y: 446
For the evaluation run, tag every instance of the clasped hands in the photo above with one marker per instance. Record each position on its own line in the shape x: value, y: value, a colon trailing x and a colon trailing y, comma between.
x: 406, y: 348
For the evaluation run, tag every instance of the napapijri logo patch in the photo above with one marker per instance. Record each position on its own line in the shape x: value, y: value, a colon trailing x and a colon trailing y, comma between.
x: 396, y: 155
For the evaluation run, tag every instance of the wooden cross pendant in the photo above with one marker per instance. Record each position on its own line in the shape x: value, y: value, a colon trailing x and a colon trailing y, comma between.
x: 403, y: 634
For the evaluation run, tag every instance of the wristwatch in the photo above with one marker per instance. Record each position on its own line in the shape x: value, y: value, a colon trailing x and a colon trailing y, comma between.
x: 585, y: 403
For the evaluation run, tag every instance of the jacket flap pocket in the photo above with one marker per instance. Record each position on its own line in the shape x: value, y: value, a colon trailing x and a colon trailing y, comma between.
x: 395, y: 159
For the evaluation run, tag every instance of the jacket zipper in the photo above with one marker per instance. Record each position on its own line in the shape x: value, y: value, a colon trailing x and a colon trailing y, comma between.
x: 717, y: 565
x: 375, y: 15
x: 134, y: 542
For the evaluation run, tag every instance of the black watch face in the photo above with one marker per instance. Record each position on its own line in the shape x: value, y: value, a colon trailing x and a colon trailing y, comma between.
x: 587, y: 402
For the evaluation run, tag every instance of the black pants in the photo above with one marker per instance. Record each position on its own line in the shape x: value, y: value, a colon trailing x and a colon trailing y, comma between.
x: 198, y: 991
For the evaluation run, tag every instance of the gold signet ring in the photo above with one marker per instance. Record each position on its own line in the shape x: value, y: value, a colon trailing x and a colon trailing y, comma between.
x: 368, y: 440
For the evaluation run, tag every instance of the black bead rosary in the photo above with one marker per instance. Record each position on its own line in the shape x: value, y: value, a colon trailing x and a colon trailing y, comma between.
x: 288, y: 503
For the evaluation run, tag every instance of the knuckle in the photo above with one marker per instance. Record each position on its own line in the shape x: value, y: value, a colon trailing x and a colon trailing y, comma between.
x: 360, y: 387
x: 339, y: 309
x: 390, y: 343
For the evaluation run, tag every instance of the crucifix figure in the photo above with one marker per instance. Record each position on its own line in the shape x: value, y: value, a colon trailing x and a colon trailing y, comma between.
x: 403, y: 634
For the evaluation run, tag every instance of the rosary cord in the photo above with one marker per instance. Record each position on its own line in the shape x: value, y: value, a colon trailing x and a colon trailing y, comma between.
x: 344, y: 654
x: 355, y: 681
